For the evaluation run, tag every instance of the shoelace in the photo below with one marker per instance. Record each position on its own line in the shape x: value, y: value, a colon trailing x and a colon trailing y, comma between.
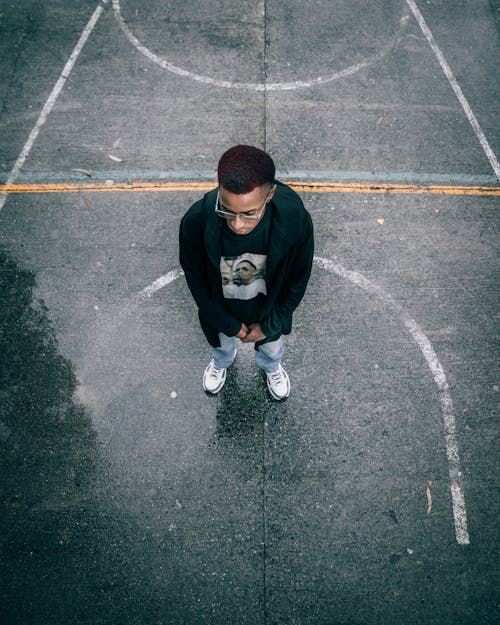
x: 215, y: 372
x: 276, y: 376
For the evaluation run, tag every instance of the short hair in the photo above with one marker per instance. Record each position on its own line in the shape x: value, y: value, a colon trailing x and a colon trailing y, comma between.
x: 244, y: 167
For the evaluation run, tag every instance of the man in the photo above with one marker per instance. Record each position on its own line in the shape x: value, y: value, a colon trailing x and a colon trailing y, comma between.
x: 246, y: 249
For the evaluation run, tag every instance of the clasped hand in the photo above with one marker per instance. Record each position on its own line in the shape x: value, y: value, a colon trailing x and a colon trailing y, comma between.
x: 251, y: 333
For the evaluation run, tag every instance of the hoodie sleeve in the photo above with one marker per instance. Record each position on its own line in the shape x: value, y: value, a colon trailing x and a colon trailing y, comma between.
x: 298, y: 271
x: 195, y: 263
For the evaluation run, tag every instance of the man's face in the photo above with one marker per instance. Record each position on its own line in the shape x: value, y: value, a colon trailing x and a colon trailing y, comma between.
x: 245, y: 272
x: 244, y: 205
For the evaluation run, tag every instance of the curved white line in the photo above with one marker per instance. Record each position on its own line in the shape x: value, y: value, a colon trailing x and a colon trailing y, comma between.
x: 458, y: 500
x: 255, y: 86
x: 457, y: 494
x: 162, y: 281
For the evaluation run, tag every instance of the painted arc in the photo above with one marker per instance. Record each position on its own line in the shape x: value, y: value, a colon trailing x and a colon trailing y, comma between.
x: 430, y: 356
x: 390, y: 41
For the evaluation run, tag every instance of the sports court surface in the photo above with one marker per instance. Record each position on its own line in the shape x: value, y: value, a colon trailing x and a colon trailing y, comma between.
x: 371, y: 495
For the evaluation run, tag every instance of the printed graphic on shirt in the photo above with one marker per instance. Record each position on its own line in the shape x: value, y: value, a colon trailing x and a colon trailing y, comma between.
x: 243, y: 277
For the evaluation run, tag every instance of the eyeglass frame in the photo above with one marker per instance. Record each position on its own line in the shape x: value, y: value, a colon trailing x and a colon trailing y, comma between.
x: 232, y: 216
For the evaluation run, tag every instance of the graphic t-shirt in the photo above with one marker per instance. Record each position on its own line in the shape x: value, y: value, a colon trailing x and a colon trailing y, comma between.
x: 243, y: 270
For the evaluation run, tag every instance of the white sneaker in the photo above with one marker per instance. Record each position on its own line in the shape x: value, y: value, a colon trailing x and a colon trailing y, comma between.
x: 278, y: 383
x: 213, y: 378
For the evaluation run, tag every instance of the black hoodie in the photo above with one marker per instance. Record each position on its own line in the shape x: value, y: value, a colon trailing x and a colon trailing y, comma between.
x: 289, y: 261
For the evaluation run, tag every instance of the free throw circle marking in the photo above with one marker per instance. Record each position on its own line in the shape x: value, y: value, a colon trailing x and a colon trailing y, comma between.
x: 254, y: 86
x: 425, y: 346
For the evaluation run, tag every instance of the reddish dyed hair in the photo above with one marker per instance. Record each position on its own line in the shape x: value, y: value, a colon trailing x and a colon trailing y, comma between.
x: 244, y: 167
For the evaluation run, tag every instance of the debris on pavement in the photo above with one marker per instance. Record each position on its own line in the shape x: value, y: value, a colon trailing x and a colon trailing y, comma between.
x: 382, y: 118
x: 87, y: 172
x: 429, y: 496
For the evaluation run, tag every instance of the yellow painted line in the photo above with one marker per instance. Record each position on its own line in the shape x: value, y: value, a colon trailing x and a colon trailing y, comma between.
x: 305, y: 187
x: 401, y: 188
x: 102, y: 187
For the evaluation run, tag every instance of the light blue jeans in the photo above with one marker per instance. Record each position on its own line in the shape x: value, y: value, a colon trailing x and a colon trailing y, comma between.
x: 267, y: 356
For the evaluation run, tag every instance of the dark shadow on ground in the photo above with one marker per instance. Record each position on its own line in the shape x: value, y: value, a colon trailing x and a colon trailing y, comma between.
x: 49, y: 449
x: 48, y: 439
x: 245, y: 405
x: 242, y: 408
x: 68, y: 552
x: 49, y: 444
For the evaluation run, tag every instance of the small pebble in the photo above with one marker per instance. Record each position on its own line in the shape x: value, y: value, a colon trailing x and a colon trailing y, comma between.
x: 496, y: 388
x: 173, y: 394
x: 96, y: 307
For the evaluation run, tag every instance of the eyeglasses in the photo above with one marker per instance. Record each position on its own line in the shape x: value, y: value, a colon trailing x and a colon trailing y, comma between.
x: 252, y: 215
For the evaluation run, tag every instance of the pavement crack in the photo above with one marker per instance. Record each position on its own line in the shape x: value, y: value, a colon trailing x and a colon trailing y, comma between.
x: 264, y: 525
x: 264, y: 71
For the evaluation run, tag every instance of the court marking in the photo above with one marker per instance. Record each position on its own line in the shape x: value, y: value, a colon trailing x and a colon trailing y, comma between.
x: 326, y: 186
x: 430, y: 356
x: 456, y: 87
x: 158, y: 284
x: 158, y: 60
x: 51, y: 100
x: 425, y: 346
x: 422, y: 341
x: 111, y: 186
x: 253, y: 86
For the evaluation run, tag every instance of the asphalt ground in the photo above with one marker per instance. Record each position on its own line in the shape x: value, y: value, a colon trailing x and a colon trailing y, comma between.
x: 130, y: 497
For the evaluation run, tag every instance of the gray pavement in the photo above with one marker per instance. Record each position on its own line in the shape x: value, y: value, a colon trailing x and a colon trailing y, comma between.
x: 130, y: 497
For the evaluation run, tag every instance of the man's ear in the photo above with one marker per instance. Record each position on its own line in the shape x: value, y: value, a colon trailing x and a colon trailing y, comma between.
x: 271, y: 192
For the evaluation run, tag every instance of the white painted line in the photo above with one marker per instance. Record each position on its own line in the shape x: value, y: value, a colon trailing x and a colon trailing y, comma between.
x: 162, y: 281
x: 51, y: 100
x: 457, y: 495
x: 254, y: 86
x: 456, y: 88
x: 452, y: 453
x: 458, y: 501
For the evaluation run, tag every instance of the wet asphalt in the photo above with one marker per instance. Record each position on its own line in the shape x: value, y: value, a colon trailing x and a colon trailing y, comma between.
x: 130, y: 497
